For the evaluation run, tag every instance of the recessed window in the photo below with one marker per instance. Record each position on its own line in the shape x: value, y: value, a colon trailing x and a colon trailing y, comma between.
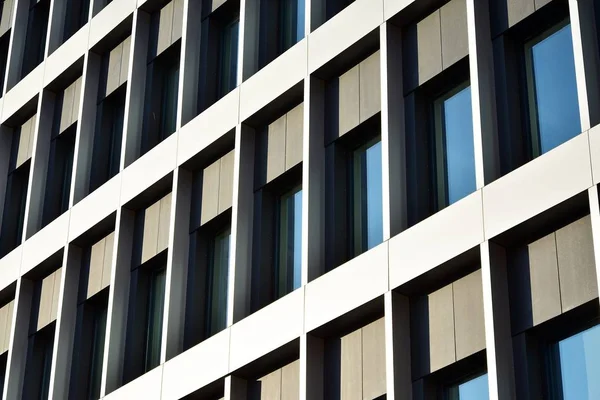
x: 552, y: 89
x: 292, y: 23
x: 454, y: 152
x: 154, y: 317
x: 473, y: 389
x: 218, y: 272
x: 367, y: 200
x: 290, y: 242
x: 228, y: 56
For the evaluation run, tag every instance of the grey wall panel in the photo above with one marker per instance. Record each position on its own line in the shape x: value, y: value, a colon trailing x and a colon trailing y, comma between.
x: 55, y: 294
x: 66, y: 116
x: 113, y: 77
x: 455, y: 44
x: 543, y: 275
x: 370, y: 87
x: 351, y: 366
x: 518, y: 10
x: 349, y: 100
x: 276, y: 148
x: 25, y: 142
x: 429, y: 47
x: 3, y: 323
x: 576, y: 265
x: 6, y: 18
x: 270, y: 386
x: 8, y: 326
x: 290, y: 381
x: 108, y: 253
x: 165, y: 28
x: 76, y: 99
x: 210, y: 192
x: 214, y: 4
x: 177, y: 20
x: 125, y: 60
x: 468, y: 315
x: 96, y: 267
x: 226, y: 182
x: 541, y: 3
x: 441, y: 328
x: 373, y: 358
x: 45, y: 305
x: 163, y: 223
x: 294, y: 134
x: 150, y: 238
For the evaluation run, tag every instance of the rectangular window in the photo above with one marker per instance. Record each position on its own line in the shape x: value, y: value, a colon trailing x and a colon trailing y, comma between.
x: 77, y: 12
x: 218, y: 273
x: 367, y: 199
x: 154, y: 318
x: 454, y: 151
x: 37, y: 375
x: 35, y: 45
x: 291, y: 22
x: 228, y: 58
x: 14, y: 209
x: 289, y: 257
x: 97, y: 354
x: 473, y: 389
x: 552, y: 89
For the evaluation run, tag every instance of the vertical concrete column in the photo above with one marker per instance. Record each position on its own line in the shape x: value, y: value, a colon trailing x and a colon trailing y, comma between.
x: 498, y: 337
x: 177, y: 265
x: 66, y: 319
x: 579, y: 55
x: 16, y: 48
x: 483, y: 93
x: 17, y: 353
x: 136, y: 88
x: 86, y: 124
x: 595, y: 220
x: 312, y: 367
x: 118, y: 301
x: 240, y: 245
x: 235, y: 388
x: 182, y: 62
x: 249, y: 41
x: 34, y: 205
x: 397, y: 344
x: 190, y: 61
x: 392, y: 132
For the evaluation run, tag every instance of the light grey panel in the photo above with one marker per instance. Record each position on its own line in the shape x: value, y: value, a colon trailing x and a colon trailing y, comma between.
x: 113, y: 78
x: 270, y: 386
x: 226, y: 181
x: 517, y: 10
x: 541, y: 3
x: 76, y: 99
x: 276, y: 148
x: 294, y: 134
x: 150, y: 239
x: 177, y: 20
x: 3, y: 323
x: 163, y: 223
x: 349, y: 100
x: 108, y: 254
x: 468, y: 315
x: 165, y: 27
x: 576, y: 265
x: 45, y: 306
x: 25, y: 142
x: 6, y: 20
x: 96, y: 268
x: 455, y: 44
x: 290, y: 381
x: 429, y: 47
x: 373, y: 354
x: 370, y: 87
x: 8, y: 326
x: 210, y: 192
x: 216, y: 4
x: 543, y: 275
x: 351, y: 366
x: 125, y: 60
x: 55, y: 294
x: 66, y: 116
x: 442, y: 350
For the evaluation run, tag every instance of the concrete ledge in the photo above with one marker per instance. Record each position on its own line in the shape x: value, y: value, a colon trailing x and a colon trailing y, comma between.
x: 46, y: 242
x: 66, y: 55
x: 109, y: 18
x: 594, y: 135
x: 145, y: 387
x: 10, y: 267
x: 23, y: 91
x: 393, y: 7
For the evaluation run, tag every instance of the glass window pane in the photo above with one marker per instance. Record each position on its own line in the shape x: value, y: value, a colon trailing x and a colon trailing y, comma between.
x: 97, y: 352
x: 229, y: 50
x: 580, y: 365
x: 292, y: 23
x: 155, y: 317
x: 456, y: 163
x: 474, y: 389
x: 169, y: 100
x: 556, y: 110
x: 218, y: 275
x: 290, y: 242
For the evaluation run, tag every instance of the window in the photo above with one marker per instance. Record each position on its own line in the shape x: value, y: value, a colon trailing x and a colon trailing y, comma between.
x: 14, y: 208
x: 578, y: 366
x: 35, y: 45
x: 218, y: 272
x: 37, y: 375
x: 228, y: 58
x: 454, y: 152
x: 77, y: 12
x: 291, y: 22
x: 367, y: 200
x: 154, y: 317
x: 98, y: 336
x: 473, y: 389
x: 289, y: 257
x: 281, y: 26
x: 552, y: 89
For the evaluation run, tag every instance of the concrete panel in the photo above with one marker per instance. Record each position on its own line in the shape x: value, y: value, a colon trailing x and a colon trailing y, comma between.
x: 518, y: 10
x: 44, y: 243
x: 346, y: 287
x: 294, y: 133
x: 351, y: 378
x: 26, y: 136
x: 276, y: 148
x: 342, y: 31
x: 373, y: 360
x: 543, y: 275
x: 370, y: 86
x: 260, y: 89
x: 455, y: 44
x: 270, y: 386
x: 207, y: 127
x: 469, y: 325
x: 594, y: 135
x: 76, y: 100
x: 44, y: 316
x: 96, y: 268
x: 22, y: 92
x: 165, y: 28
x: 109, y: 18
x: 196, y: 367
x: 437, y: 239
x: 392, y: 7
x: 177, y: 25
x: 7, y: 13
x: 66, y: 116
x: 113, y: 78
x: 66, y: 55
x: 8, y: 326
x: 108, y: 256
x: 226, y: 181
x: 164, y: 222
x: 10, y: 265
x: 124, y: 69
x: 150, y: 233
x: 576, y: 266
x: 55, y: 294
x: 349, y: 100
x: 442, y: 349
x: 210, y: 192
x: 147, y: 387
x: 290, y: 381
x: 429, y: 47
x: 249, y: 339
x: 3, y: 330
x: 537, y: 186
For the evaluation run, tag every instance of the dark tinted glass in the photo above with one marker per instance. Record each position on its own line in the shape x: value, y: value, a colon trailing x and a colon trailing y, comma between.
x: 229, y: 50
x: 155, y: 318
x: 290, y: 241
x: 217, y: 283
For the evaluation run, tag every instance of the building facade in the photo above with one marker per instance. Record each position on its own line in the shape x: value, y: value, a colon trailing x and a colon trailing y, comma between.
x: 299, y: 199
